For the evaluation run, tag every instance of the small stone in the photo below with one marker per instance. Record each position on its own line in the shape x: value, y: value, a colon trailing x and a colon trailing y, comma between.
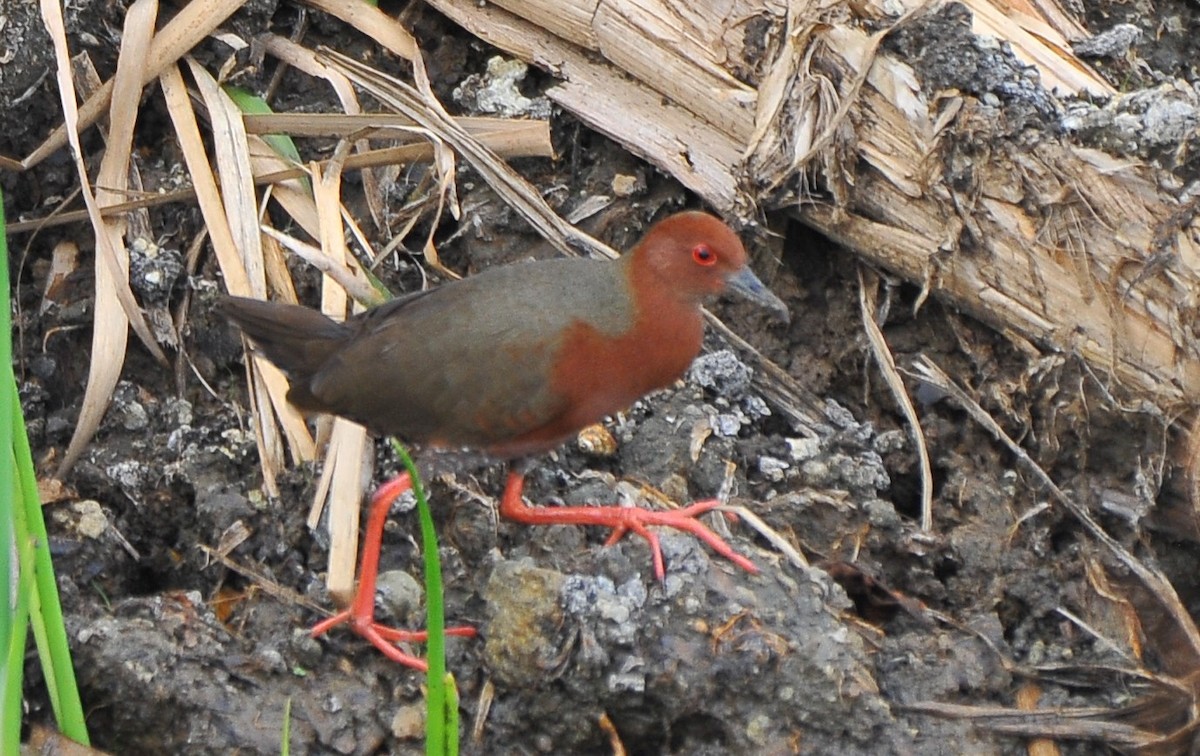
x: 723, y: 373
x: 179, y: 411
x: 43, y: 366
x: 626, y: 186
x: 1037, y: 653
x: 524, y: 608
x: 306, y: 648
x: 91, y: 521
x: 772, y: 469
x: 889, y: 441
x: 726, y: 424
x: 627, y: 682
x: 272, y: 660
x: 409, y: 722
x: 840, y: 417
x: 757, y: 728
x: 1109, y: 44
x: 134, y: 416
x: 755, y: 407
x: 398, y: 593
x: 675, y: 487
x: 801, y: 449
x: 882, y: 514
x: 129, y: 474
x: 497, y: 91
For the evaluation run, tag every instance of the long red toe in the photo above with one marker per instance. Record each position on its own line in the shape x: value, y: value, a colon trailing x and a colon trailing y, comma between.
x: 623, y: 520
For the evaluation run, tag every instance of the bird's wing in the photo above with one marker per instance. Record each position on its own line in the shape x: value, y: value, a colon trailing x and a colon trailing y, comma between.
x: 467, y: 364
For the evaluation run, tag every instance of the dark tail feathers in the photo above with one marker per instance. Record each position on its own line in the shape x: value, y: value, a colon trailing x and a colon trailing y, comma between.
x: 297, y: 339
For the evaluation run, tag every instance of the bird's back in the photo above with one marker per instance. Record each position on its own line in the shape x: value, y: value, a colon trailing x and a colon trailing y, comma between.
x: 470, y: 363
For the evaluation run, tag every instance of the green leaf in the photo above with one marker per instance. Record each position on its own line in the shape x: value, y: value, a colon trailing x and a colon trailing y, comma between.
x: 252, y: 104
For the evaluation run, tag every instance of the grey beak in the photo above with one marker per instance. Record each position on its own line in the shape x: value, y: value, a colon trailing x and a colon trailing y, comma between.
x: 745, y: 283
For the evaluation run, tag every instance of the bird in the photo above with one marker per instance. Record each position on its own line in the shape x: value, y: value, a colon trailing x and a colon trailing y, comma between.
x: 512, y: 362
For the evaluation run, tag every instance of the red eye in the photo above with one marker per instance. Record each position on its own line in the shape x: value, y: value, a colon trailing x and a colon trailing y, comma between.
x: 703, y: 255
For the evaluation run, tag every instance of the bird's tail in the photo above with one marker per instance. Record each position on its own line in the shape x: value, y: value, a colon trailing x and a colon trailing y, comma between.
x: 297, y: 339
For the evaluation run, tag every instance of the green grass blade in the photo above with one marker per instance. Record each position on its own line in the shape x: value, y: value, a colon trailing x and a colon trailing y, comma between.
x: 37, y: 589
x: 16, y: 611
x: 15, y: 605
x: 47, y: 618
x: 285, y: 745
x: 437, y: 726
x: 451, y: 715
x: 252, y: 104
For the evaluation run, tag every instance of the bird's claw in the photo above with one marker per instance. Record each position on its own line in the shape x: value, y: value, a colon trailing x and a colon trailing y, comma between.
x: 636, y: 519
x: 384, y: 638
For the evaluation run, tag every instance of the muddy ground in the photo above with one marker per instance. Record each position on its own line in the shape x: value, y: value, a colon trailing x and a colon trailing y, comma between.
x: 177, y: 653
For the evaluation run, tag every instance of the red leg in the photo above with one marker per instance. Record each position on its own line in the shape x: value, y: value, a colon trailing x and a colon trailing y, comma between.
x: 622, y: 520
x: 361, y: 613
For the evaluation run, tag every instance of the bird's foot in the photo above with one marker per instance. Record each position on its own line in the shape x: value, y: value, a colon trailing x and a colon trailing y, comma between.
x: 636, y: 519
x: 623, y: 520
x: 384, y: 638
x: 361, y: 614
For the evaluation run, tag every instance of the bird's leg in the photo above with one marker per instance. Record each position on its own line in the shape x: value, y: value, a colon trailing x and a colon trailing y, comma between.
x: 621, y: 520
x: 361, y: 613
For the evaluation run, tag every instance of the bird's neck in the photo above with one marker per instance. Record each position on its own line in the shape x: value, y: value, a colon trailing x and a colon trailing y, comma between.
x: 667, y: 320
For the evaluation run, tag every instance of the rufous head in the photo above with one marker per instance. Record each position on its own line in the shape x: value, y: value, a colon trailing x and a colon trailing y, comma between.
x: 697, y: 256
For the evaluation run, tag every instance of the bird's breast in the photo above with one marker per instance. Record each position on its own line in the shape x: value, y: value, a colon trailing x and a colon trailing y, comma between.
x: 601, y: 374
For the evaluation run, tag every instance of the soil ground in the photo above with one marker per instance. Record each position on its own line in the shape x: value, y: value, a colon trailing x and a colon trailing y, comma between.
x: 177, y: 653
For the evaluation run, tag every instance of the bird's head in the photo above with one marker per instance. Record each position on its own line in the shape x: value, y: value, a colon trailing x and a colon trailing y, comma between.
x: 698, y: 257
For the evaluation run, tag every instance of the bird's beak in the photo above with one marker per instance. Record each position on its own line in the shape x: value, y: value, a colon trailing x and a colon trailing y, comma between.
x: 745, y: 283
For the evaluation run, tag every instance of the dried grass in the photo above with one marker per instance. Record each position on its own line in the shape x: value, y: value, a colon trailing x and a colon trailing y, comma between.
x: 116, y: 308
